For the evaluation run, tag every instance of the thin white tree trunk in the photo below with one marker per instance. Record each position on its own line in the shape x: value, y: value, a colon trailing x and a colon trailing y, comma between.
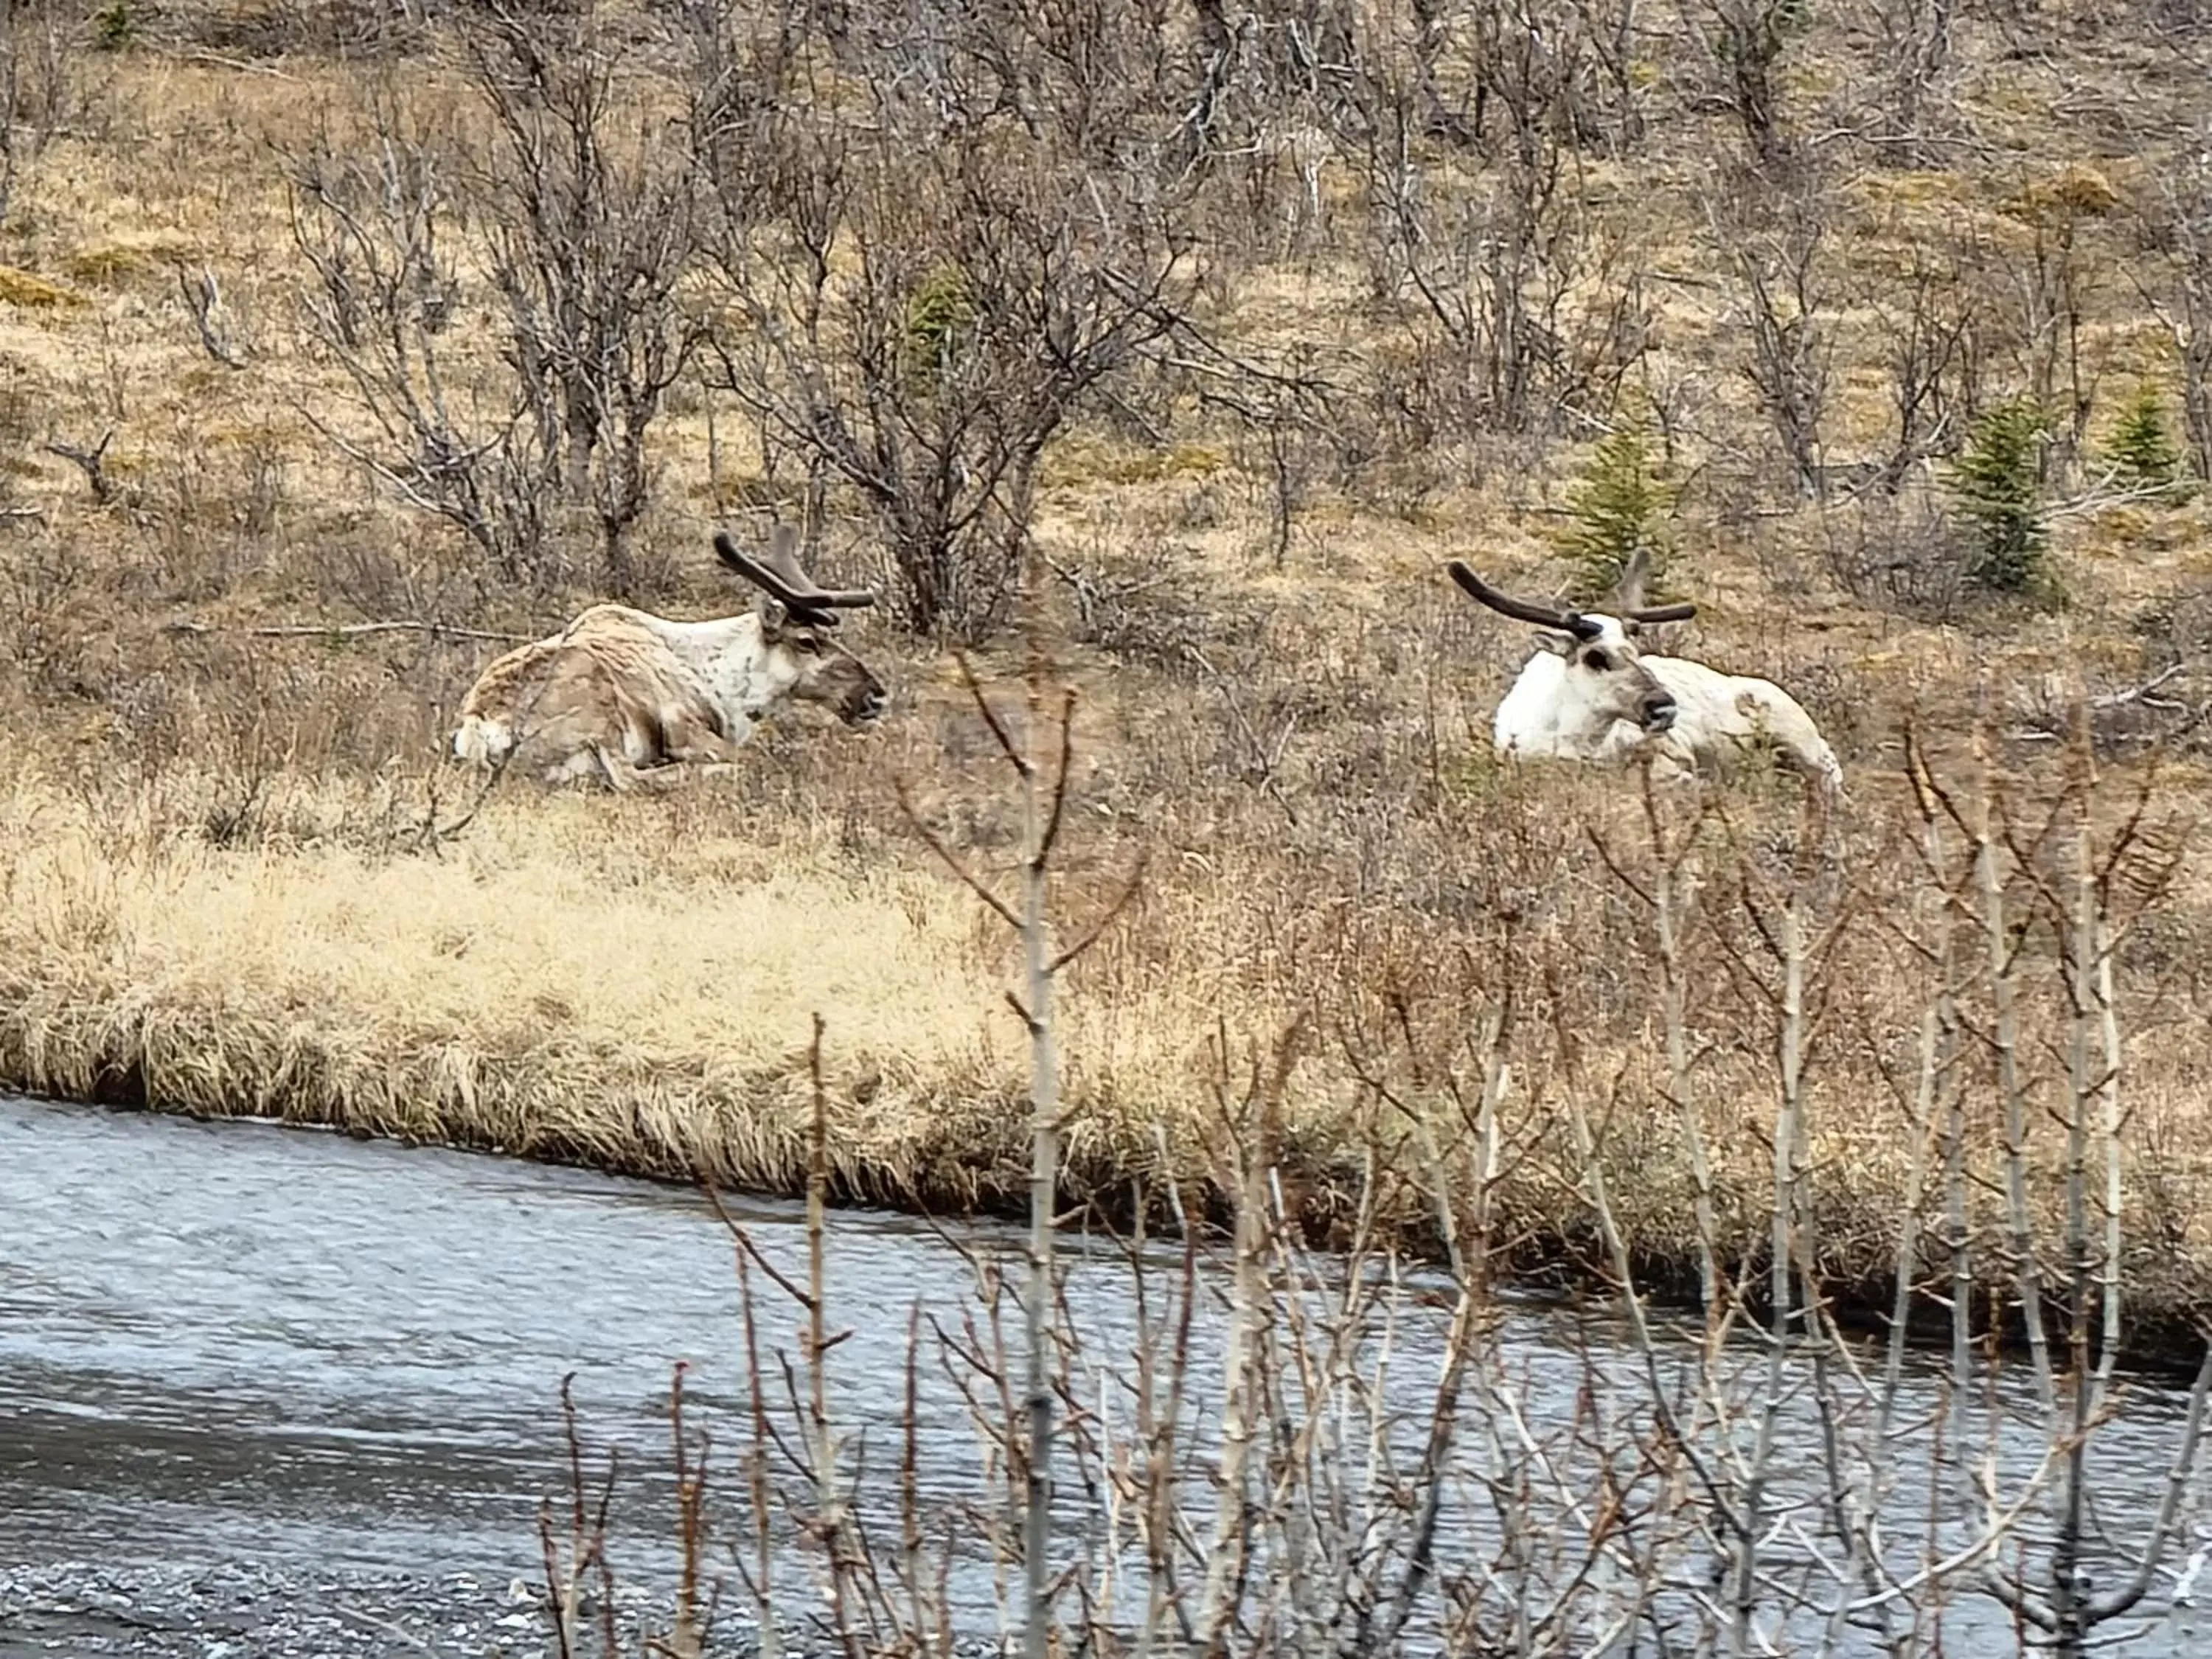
x: 1044, y: 1173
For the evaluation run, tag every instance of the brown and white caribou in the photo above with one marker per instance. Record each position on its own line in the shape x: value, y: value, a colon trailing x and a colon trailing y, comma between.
x: 630, y: 699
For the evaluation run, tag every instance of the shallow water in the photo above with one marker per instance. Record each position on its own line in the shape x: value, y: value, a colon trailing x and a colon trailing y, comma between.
x: 227, y: 1342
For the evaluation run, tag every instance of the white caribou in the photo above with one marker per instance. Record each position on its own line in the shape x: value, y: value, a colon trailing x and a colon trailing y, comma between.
x: 626, y: 698
x: 1590, y: 694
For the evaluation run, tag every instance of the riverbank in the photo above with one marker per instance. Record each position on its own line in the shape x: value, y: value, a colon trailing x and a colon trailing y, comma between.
x: 629, y: 986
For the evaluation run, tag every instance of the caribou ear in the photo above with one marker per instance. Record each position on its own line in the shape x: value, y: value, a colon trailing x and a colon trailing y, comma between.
x: 773, y: 614
x: 1560, y: 645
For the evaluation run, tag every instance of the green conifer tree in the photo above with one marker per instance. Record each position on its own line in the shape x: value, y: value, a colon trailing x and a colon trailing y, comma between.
x: 1616, y: 505
x: 939, y: 319
x: 113, y: 25
x: 2144, y: 458
x: 1997, y: 484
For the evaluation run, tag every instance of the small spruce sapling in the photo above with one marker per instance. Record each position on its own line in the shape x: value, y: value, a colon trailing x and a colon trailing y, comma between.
x: 938, y: 318
x: 1616, y: 505
x: 2144, y: 459
x: 114, y: 26
x: 1997, y: 483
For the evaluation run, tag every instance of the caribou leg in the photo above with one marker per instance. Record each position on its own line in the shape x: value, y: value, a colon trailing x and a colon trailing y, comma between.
x: 676, y: 773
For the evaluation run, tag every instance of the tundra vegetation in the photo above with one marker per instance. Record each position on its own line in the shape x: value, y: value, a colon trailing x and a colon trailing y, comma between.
x: 1166, y: 354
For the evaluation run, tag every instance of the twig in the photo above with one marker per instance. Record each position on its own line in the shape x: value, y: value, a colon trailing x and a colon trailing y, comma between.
x: 1112, y: 913
x: 2163, y: 1528
x: 1050, y: 833
x: 201, y: 299
x: 93, y: 461
x: 2100, y: 496
x: 1007, y: 746
x: 2120, y: 699
x: 346, y: 630
x: 397, y: 1631
x: 237, y: 65
x: 951, y: 860
x: 1267, y: 762
x: 744, y: 1240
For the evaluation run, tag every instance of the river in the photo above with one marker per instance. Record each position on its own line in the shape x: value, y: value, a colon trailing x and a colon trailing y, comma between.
x: 332, y: 1367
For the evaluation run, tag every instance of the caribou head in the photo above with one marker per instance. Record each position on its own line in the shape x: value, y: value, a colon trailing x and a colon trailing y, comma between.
x: 801, y: 657
x: 1605, y: 679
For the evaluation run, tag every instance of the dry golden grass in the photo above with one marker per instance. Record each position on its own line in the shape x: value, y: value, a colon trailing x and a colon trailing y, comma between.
x: 215, y: 894
x: 630, y: 985
x: 541, y: 987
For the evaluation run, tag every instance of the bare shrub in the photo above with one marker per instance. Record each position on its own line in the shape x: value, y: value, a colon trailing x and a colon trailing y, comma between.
x: 2182, y: 222
x: 1258, y: 65
x: 583, y: 213
x: 1524, y: 309
x: 1266, y: 1449
x: 2052, y: 281
x: 1617, y: 93
x: 43, y: 587
x: 1137, y: 599
x: 585, y: 207
x: 1780, y: 292
x: 1915, y: 83
x: 1745, y: 40
x: 1928, y: 340
x: 989, y: 272
x: 1899, y: 548
x: 38, y: 95
x: 378, y: 226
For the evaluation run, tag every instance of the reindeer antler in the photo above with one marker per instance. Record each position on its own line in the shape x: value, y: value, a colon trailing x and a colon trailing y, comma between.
x: 1635, y: 572
x: 1629, y: 592
x: 1526, y: 610
x: 783, y: 577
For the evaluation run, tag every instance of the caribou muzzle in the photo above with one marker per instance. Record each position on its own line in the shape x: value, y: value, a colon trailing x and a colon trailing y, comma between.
x: 867, y: 708
x: 1658, y: 710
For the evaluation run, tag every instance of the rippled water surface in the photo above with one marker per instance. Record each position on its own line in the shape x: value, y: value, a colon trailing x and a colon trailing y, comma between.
x: 226, y: 1338
x: 224, y: 1342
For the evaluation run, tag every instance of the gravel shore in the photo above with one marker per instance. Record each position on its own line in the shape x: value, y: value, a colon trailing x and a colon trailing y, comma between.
x: 85, y: 1608
x: 256, y: 1612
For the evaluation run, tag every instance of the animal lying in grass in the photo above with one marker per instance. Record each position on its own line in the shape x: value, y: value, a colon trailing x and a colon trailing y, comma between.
x: 630, y: 699
x: 1590, y: 694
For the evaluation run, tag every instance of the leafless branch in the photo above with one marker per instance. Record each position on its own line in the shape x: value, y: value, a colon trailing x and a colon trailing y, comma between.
x: 1106, y: 919
x: 344, y: 631
x: 91, y: 462
x: 204, y: 299
x: 951, y: 860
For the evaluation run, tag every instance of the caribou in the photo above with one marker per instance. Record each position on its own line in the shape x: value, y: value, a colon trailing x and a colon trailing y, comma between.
x: 632, y: 700
x: 1591, y: 693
